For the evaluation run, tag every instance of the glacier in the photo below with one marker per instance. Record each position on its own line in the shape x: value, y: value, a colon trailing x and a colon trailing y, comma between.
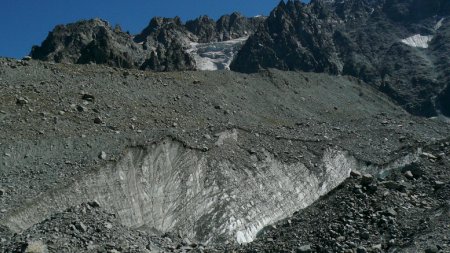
x: 215, y: 55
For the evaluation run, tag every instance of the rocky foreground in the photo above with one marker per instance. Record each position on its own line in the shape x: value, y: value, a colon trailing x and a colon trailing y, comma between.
x: 101, y: 159
x: 407, y: 211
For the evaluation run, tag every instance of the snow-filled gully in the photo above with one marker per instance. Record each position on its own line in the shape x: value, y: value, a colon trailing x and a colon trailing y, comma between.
x: 170, y: 187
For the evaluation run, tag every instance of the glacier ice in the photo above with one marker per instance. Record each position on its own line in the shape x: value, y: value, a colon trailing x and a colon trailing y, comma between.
x: 215, y: 55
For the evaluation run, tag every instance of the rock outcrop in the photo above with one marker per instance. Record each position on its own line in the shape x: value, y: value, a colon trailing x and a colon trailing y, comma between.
x: 90, y: 41
x: 228, y: 27
x: 167, y: 40
x: 397, y: 46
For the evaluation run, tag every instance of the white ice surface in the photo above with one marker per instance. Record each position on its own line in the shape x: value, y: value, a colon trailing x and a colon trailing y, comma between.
x: 215, y: 55
x: 418, y: 40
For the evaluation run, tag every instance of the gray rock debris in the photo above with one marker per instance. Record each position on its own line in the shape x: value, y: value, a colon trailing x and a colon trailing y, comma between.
x: 102, y: 155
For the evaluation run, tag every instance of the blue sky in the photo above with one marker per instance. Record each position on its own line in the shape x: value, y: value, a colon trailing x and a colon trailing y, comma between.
x: 24, y: 23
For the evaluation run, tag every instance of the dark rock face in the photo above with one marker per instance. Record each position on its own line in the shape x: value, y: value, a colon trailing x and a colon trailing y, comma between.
x: 89, y: 41
x: 226, y: 28
x: 166, y: 39
x: 292, y: 38
x: 362, y: 38
x: 161, y: 46
x: 158, y: 47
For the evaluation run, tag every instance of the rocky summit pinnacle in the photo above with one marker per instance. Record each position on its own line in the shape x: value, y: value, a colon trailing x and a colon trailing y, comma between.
x: 89, y: 41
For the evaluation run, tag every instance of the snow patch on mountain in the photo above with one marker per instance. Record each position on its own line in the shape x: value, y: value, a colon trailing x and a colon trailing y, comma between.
x: 439, y: 24
x: 215, y: 55
x: 418, y: 40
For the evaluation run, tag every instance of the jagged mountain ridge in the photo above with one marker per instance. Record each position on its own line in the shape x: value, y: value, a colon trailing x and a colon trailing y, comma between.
x: 89, y: 41
x: 399, y: 46
x: 161, y: 46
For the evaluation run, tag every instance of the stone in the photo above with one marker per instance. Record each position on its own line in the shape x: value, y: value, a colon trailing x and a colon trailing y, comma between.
x: 110, y: 245
x: 304, y: 249
x: 361, y: 250
x: 27, y: 58
x: 438, y: 184
x: 81, y: 108
x: 415, y: 169
x: 94, y: 204
x: 432, y: 249
x: 2, y: 192
x: 408, y: 174
x: 365, y: 235
x: 355, y: 173
x: 36, y: 247
x: 186, y: 241
x: 429, y: 155
x: 391, y: 185
x: 80, y: 226
x: 108, y: 225
x: 377, y: 247
x: 391, y: 212
x: 340, y: 238
x: 88, y: 97
x: 366, y: 179
x: 21, y: 101
x: 98, y: 120
x: 372, y: 188
x: 102, y: 155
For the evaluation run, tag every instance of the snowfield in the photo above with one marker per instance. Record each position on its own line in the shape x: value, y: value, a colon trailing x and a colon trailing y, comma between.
x: 418, y: 40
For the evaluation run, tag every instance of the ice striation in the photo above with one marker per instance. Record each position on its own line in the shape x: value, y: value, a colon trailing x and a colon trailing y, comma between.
x: 169, y: 187
x: 215, y: 55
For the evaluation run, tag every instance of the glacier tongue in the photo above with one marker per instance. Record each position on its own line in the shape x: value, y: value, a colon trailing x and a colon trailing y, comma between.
x: 215, y: 55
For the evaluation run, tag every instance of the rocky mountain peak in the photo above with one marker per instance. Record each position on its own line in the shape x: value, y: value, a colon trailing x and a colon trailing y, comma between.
x: 391, y: 44
x: 398, y: 46
x: 89, y: 41
x: 164, y: 45
x: 157, y: 24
